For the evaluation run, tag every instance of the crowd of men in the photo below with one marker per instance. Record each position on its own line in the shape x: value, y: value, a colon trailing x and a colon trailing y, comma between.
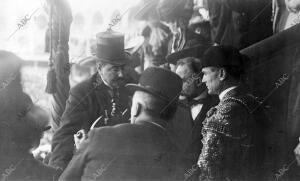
x: 195, y: 123
x: 188, y: 117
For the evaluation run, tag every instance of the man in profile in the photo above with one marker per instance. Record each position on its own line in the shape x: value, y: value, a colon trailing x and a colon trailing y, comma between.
x: 232, y: 134
x: 141, y: 150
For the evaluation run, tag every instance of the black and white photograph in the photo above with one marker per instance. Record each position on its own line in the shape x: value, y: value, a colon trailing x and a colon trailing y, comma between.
x: 149, y: 90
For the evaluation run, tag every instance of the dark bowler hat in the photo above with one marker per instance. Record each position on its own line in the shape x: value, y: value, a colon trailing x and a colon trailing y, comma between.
x: 196, y: 51
x: 159, y: 82
x: 110, y: 47
x: 221, y: 56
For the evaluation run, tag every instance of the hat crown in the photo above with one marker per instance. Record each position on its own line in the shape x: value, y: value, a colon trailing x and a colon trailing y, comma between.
x: 110, y: 47
x: 220, y: 56
x: 161, y: 81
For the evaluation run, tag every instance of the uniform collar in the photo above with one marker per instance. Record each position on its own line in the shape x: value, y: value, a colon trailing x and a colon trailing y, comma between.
x: 224, y: 92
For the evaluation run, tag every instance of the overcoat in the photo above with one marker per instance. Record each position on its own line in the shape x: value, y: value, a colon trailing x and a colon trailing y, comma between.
x: 87, y: 101
x: 127, y: 152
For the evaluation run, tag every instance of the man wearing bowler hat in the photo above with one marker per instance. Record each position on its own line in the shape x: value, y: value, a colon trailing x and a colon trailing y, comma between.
x: 232, y: 131
x: 102, y: 98
x: 195, y: 99
x: 141, y: 150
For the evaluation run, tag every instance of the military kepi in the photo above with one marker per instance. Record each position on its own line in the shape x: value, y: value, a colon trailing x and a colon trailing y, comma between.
x: 110, y: 47
x: 159, y: 82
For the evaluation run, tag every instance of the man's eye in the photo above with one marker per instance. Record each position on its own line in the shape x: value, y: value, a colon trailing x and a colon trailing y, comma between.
x: 115, y: 69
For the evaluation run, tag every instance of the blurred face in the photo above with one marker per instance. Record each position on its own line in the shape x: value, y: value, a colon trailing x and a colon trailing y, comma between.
x: 212, y: 80
x: 113, y: 75
x: 189, y: 86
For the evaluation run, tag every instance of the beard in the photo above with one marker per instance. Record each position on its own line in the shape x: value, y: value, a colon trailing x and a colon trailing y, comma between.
x: 118, y: 83
x: 189, y: 94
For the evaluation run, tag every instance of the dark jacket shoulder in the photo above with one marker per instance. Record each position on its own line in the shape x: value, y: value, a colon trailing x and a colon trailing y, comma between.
x: 85, y: 86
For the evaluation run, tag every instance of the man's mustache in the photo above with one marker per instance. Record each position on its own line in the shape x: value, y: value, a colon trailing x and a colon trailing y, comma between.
x: 121, y: 79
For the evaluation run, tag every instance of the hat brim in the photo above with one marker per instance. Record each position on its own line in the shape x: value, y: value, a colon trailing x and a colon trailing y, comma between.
x: 124, y: 61
x: 136, y: 87
x: 195, y: 51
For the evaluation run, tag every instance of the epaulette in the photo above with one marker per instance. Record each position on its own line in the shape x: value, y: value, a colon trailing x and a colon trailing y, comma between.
x: 220, y: 120
x: 226, y: 129
x: 249, y: 102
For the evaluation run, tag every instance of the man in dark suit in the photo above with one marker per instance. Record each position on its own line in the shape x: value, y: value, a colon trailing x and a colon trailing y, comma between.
x: 103, y: 97
x: 194, y: 101
x: 194, y: 95
x: 141, y: 150
x: 232, y: 134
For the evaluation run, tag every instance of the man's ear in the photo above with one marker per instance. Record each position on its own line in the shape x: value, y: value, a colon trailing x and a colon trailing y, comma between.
x: 137, y: 110
x: 99, y: 69
x: 98, y: 66
x: 222, y: 74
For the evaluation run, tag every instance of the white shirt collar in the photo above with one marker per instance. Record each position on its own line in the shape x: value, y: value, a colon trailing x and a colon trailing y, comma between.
x: 195, y: 110
x: 224, y: 92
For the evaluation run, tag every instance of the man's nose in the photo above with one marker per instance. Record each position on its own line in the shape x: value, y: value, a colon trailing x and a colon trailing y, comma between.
x: 203, y: 79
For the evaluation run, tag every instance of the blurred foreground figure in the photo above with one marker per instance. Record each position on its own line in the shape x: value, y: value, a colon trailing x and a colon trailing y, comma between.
x: 21, y: 127
x: 232, y: 133
x: 141, y: 150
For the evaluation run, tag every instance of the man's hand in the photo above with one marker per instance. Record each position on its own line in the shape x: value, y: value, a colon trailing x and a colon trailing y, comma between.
x: 297, y: 153
x: 79, y: 137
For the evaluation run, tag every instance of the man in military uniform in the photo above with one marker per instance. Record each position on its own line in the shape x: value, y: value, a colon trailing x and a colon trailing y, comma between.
x: 231, y: 148
x: 103, y: 97
x: 141, y: 150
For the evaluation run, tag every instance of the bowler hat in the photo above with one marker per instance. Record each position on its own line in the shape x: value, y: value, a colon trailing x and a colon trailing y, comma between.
x: 221, y: 56
x: 159, y: 82
x: 110, y: 48
x: 196, y: 51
